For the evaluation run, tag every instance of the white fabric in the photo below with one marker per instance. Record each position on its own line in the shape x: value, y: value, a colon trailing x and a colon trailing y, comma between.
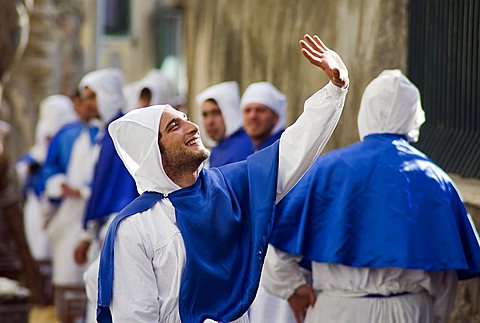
x: 340, y: 289
x: 131, y: 94
x: 34, y: 225
x: 135, y: 137
x: 391, y: 104
x: 158, y: 84
x: 227, y: 96
x: 55, y: 112
x: 107, y: 84
x: 65, y: 229
x: 267, y: 94
x: 268, y: 308
x: 149, y: 249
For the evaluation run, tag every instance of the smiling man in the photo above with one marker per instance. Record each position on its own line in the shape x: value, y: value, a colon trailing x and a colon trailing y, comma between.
x: 191, y: 247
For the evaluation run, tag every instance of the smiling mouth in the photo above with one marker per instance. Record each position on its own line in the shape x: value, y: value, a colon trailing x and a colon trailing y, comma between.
x: 194, y: 141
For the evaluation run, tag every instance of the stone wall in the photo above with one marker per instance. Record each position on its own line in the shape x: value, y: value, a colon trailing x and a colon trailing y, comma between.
x: 248, y: 40
x: 50, y: 64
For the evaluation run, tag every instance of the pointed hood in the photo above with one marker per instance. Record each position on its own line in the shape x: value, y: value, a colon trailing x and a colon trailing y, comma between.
x: 107, y: 84
x: 267, y: 94
x: 55, y: 112
x: 227, y: 96
x: 391, y: 104
x: 135, y: 136
x: 158, y: 84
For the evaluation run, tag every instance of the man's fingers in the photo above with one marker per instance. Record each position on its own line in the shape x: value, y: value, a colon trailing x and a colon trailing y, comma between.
x: 320, y: 43
x: 313, y: 59
x: 312, y: 297
x: 298, y: 316
x: 309, y: 40
x: 307, y: 46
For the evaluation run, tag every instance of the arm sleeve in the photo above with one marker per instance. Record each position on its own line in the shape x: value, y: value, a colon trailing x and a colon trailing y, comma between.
x: 302, y: 142
x: 135, y: 296
x: 281, y: 273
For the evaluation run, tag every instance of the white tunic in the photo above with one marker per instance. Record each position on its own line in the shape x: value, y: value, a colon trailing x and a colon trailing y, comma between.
x: 149, y: 248
x: 65, y: 228
x: 340, y: 291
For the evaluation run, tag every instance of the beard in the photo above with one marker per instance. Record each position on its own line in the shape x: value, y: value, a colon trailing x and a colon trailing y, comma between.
x: 180, y: 160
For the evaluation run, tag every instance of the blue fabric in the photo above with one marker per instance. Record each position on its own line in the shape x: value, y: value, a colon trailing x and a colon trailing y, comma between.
x: 113, y: 187
x: 235, y: 148
x: 59, y: 151
x: 378, y: 203
x: 33, y: 176
x: 225, y: 219
x: 269, y: 140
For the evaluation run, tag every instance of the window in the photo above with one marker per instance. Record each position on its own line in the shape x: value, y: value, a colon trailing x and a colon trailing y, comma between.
x: 117, y: 17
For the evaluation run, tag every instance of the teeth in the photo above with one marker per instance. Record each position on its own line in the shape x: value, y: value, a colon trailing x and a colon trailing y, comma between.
x: 191, y: 142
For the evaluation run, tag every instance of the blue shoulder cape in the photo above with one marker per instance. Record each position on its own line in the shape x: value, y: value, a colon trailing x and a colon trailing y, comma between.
x: 235, y: 205
x: 33, y: 176
x: 235, y: 148
x: 59, y: 151
x: 378, y: 203
x: 113, y: 187
x: 269, y: 140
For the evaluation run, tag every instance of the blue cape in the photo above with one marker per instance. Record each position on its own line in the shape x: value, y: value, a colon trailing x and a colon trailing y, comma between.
x: 378, y: 203
x: 235, y: 148
x: 269, y: 140
x: 59, y: 151
x: 113, y: 187
x: 33, y: 176
x: 234, y: 207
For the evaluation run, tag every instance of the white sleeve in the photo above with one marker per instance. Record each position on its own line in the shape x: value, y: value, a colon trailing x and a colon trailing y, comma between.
x: 53, y: 186
x: 281, y: 273
x: 135, y: 296
x: 302, y: 142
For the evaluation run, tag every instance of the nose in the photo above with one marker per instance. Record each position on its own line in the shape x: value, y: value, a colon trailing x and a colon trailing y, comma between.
x: 192, y: 127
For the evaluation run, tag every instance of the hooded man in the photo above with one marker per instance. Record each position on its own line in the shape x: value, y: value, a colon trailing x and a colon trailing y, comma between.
x: 155, y: 88
x: 222, y: 122
x: 69, y: 171
x: 191, y: 247
x: 264, y: 108
x: 384, y: 227
x: 55, y: 112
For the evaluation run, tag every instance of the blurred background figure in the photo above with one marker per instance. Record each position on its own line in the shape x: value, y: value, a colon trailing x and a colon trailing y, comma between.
x: 55, y: 112
x: 222, y: 124
x: 155, y: 88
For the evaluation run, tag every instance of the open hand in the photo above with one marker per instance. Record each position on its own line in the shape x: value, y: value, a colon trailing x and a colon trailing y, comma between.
x: 320, y: 55
x: 301, y: 299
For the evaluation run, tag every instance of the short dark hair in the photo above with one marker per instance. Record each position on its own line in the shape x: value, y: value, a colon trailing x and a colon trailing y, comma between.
x: 145, y: 94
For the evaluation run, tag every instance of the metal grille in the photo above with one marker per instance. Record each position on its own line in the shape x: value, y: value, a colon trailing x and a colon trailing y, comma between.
x: 443, y: 61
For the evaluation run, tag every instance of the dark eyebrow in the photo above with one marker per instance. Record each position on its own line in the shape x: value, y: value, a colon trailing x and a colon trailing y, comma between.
x: 173, y: 120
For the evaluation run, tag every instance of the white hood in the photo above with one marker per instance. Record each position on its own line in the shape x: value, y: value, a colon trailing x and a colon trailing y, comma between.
x: 135, y: 136
x: 158, y: 84
x: 55, y: 112
x: 267, y: 94
x: 107, y: 84
x: 391, y: 104
x: 227, y: 96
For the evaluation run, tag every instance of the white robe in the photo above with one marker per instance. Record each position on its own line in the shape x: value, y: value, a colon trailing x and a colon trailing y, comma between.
x: 149, y: 248
x: 65, y: 228
x: 340, y: 290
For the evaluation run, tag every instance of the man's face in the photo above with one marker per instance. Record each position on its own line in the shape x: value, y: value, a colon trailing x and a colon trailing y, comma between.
x: 89, y: 98
x: 180, y: 144
x: 213, y: 120
x: 258, y: 121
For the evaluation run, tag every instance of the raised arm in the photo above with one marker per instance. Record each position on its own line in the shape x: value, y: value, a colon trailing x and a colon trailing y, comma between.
x: 302, y: 142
